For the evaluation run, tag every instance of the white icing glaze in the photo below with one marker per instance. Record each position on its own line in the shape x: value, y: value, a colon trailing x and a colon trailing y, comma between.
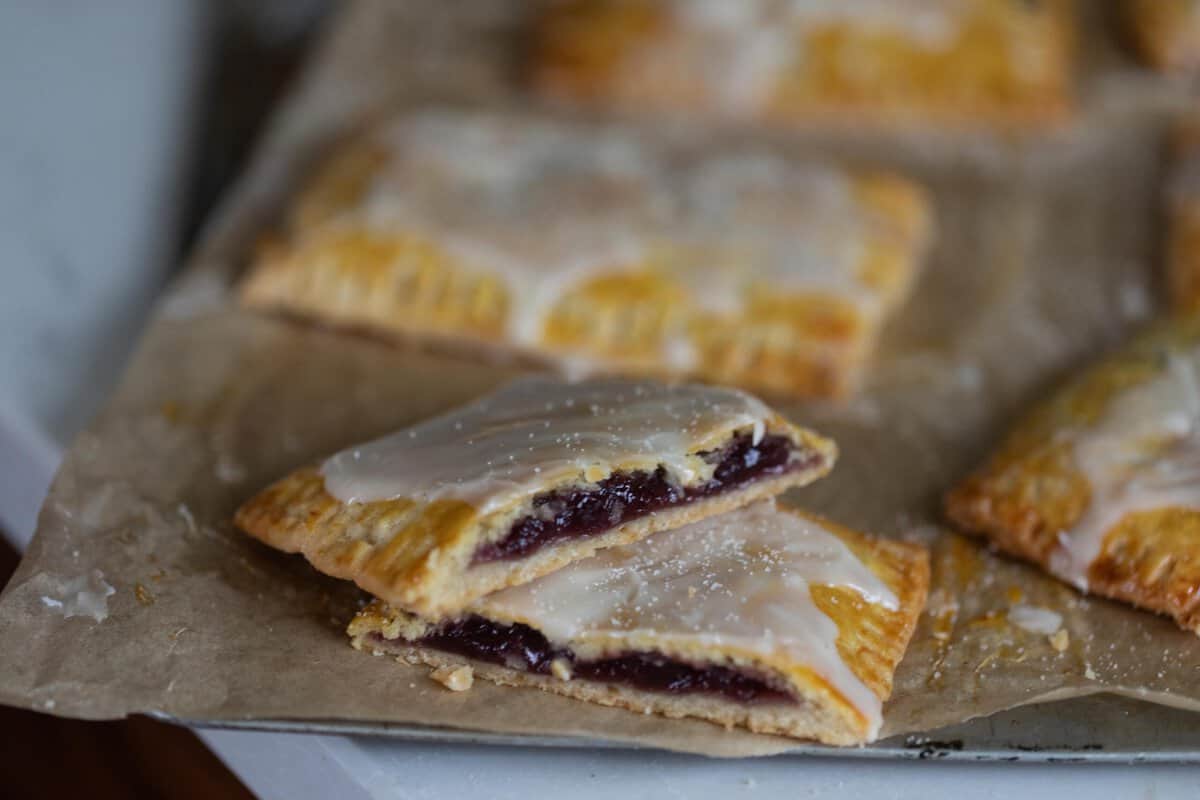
x: 740, y: 580
x: 81, y: 596
x: 546, y: 208
x: 534, y: 204
x: 795, y: 227
x: 745, y: 47
x: 1035, y: 619
x: 538, y: 432
x: 930, y: 23
x: 1143, y: 454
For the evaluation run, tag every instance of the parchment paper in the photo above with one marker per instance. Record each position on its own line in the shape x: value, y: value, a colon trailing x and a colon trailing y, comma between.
x: 1045, y: 257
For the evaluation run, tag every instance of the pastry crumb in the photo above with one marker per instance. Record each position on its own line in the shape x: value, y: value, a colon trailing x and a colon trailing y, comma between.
x: 456, y: 679
x: 143, y: 595
x: 1089, y: 673
x: 1060, y: 640
x: 561, y: 669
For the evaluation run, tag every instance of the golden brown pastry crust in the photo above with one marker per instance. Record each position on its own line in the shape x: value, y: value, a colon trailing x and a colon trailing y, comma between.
x: 416, y: 555
x: 1032, y: 488
x: 871, y: 640
x: 1165, y: 33
x: 1002, y: 63
x: 644, y: 317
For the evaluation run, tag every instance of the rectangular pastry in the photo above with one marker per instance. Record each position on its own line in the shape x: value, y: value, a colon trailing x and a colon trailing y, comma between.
x: 600, y: 252
x: 931, y: 62
x: 769, y: 619
x: 1166, y: 33
x: 1101, y: 484
x: 1183, y: 218
x: 527, y: 479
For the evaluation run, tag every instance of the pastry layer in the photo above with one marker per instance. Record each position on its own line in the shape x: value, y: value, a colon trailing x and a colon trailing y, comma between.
x: 599, y: 252
x: 1101, y: 484
x: 760, y: 617
x: 1166, y: 33
x: 527, y: 479
x: 967, y: 62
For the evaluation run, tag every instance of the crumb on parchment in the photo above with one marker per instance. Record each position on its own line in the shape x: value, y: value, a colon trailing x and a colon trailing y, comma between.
x: 456, y: 679
x: 1060, y: 640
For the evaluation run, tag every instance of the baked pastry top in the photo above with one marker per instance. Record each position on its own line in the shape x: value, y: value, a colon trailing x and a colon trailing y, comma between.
x: 1101, y: 484
x: 1183, y: 216
x: 527, y: 479
x: 601, y: 252
x: 763, y: 617
x: 1003, y: 62
x: 1166, y: 33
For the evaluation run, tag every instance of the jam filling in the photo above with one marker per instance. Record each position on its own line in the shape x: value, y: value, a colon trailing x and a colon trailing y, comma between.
x: 522, y: 648
x: 625, y: 496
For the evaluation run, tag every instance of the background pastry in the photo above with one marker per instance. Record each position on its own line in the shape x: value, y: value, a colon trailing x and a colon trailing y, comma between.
x: 1100, y: 485
x: 1006, y: 62
x: 602, y: 253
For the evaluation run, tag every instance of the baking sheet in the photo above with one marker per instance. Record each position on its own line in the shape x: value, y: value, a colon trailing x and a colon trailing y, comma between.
x: 1044, y: 258
x: 1101, y: 729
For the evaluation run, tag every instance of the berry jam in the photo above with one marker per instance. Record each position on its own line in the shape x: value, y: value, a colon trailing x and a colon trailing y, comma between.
x: 626, y: 496
x: 522, y: 648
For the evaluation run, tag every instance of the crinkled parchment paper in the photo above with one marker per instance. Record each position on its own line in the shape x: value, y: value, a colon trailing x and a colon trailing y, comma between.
x: 138, y: 596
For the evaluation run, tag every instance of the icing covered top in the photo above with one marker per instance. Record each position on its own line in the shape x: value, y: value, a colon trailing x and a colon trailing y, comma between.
x: 929, y: 22
x: 739, y: 580
x: 1143, y: 454
x: 546, y: 208
x: 745, y: 47
x: 539, y: 432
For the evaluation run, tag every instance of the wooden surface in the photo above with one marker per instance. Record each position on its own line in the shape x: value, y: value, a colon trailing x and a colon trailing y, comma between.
x: 44, y: 756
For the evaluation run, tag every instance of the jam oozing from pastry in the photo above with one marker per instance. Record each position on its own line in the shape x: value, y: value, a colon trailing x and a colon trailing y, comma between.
x: 626, y: 496
x: 522, y: 648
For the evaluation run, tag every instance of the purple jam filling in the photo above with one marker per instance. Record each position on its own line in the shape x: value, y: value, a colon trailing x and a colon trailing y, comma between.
x: 625, y: 496
x: 522, y: 648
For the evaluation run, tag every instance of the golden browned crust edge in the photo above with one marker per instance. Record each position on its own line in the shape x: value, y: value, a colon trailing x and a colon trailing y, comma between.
x: 904, y: 567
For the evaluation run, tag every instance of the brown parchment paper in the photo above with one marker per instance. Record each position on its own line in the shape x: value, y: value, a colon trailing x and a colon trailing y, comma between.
x: 1045, y: 256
